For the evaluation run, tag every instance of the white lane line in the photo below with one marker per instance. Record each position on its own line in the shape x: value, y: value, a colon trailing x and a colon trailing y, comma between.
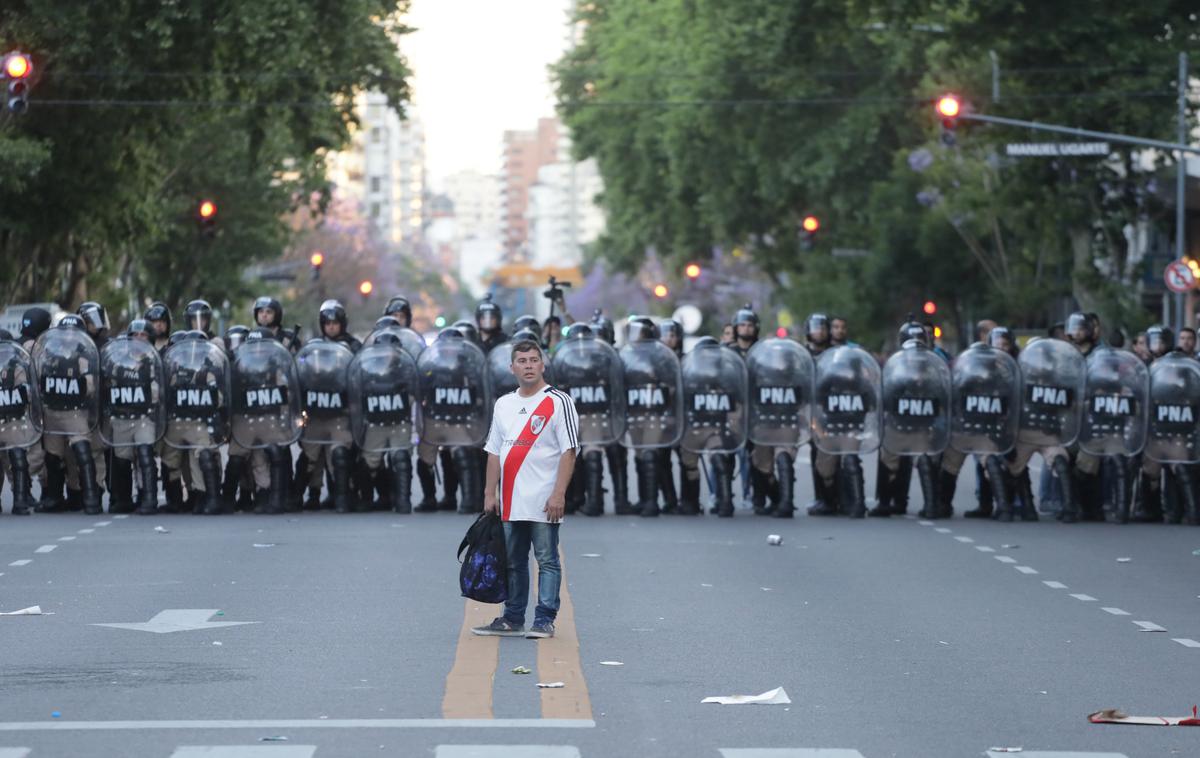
x: 66, y: 539
x: 1055, y: 754
x: 1115, y: 611
x: 126, y: 726
x: 85, y: 531
x: 22, y: 562
x: 1055, y: 585
x: 1084, y: 598
x: 964, y: 540
x: 507, y: 751
x: 1004, y: 559
x: 123, y: 515
x: 102, y: 523
x: 985, y: 549
x: 925, y: 523
x: 1150, y: 626
x: 14, y: 752
x: 46, y: 549
x: 789, y: 752
x: 943, y: 530
x: 1025, y: 569
x: 1185, y: 642
x: 245, y: 751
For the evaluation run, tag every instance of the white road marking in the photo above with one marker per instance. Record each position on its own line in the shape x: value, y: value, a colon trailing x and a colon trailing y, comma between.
x: 46, y: 549
x: 245, y: 751
x: 14, y: 752
x: 1115, y: 611
x: 985, y: 549
x: 507, y: 751
x: 22, y: 562
x: 1055, y: 585
x: 274, y: 724
x: 1084, y: 598
x: 943, y: 530
x: 1004, y: 559
x: 1055, y: 754
x: 1025, y: 569
x: 964, y: 540
x: 85, y: 531
x: 1150, y: 626
x: 1186, y: 642
x: 789, y: 752
x: 178, y: 620
x: 66, y: 539
x: 102, y: 523
x: 123, y: 515
x: 925, y: 523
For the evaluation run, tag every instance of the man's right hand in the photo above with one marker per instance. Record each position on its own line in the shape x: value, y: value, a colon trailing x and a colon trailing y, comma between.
x: 491, y: 504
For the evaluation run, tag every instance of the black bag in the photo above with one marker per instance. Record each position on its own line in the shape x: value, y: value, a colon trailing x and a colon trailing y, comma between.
x: 483, y: 554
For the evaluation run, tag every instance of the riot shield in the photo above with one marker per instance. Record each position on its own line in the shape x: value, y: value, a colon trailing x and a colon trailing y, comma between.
x: 68, y: 370
x: 412, y: 342
x: 132, y: 382
x: 781, y: 377
x: 1114, y: 403
x: 499, y: 366
x: 916, y: 402
x: 383, y: 383
x: 456, y: 399
x: 266, y: 396
x: 986, y: 398
x: 1053, y: 373
x: 590, y: 371
x: 321, y: 366
x: 20, y: 405
x: 715, y: 387
x: 653, y: 395
x: 197, y: 376
x: 1173, y: 436
x: 846, y: 401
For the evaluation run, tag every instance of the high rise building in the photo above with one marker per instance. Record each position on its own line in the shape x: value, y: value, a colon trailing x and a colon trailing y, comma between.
x: 525, y: 152
x: 476, y: 198
x: 563, y: 215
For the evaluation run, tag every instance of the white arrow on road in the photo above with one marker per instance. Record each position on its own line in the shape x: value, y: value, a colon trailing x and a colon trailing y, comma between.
x: 179, y: 620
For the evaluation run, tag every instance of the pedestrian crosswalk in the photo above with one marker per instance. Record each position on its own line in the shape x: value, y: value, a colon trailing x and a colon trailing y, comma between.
x: 549, y: 751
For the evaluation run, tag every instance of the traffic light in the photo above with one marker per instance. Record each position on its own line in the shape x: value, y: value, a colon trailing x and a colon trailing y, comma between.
x: 206, y: 218
x: 929, y: 308
x: 781, y: 332
x: 809, y: 226
x: 661, y: 291
x: 439, y: 322
x: 949, y: 107
x: 692, y: 271
x: 365, y: 289
x: 317, y: 260
x: 17, y: 70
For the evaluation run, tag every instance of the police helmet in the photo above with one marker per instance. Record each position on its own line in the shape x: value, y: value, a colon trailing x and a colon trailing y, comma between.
x: 273, y: 304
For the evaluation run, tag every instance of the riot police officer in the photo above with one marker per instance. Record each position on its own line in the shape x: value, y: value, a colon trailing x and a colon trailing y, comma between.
x: 761, y: 468
x: 671, y: 334
x: 490, y: 320
x: 237, y: 486
x: 158, y: 316
x: 1173, y: 436
x: 50, y: 471
x: 818, y: 339
x: 1081, y: 332
x: 400, y: 309
x: 20, y: 420
x: 95, y: 320
x: 134, y: 418
x: 383, y: 378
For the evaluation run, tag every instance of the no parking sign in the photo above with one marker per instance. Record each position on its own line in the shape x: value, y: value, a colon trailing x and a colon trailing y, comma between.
x: 1179, y: 277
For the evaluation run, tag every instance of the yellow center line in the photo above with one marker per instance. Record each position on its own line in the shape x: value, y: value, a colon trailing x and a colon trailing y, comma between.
x: 469, y: 683
x: 558, y: 661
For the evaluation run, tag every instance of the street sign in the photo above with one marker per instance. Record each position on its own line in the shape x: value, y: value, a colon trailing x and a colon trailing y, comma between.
x: 1179, y: 277
x: 179, y: 620
x: 1056, y: 149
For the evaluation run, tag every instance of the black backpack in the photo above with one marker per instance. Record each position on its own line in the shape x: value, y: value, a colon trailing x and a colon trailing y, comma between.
x: 483, y: 575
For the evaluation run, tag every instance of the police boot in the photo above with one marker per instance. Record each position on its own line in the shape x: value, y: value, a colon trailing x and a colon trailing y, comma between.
x: 450, y: 476
x: 785, y: 475
x: 363, y: 486
x: 1172, y: 499
x: 647, y: 474
x: 758, y: 492
x: 826, y: 495
x: 89, y: 488
x: 856, y: 501
x: 340, y: 462
x: 689, y: 495
x: 466, y: 459
x: 210, y: 471
x: 271, y: 501
x: 986, y: 497
x: 22, y: 489
x: 428, y: 480
x: 1148, y: 507
x: 300, y: 482
x: 173, y: 491
x: 929, y: 494
x: 120, y: 486
x: 1087, y: 491
x: 1121, y: 495
x: 148, y: 491
x: 51, y: 500
x: 1070, y: 509
x: 618, y: 471
x: 901, y: 486
x: 234, y: 468
x: 1188, y: 495
x: 989, y: 504
x: 400, y: 487
x: 666, y: 482
x: 722, y: 472
x: 576, y: 488
x: 1022, y: 490
x: 946, y: 484
x: 883, y: 491
x: 593, y: 484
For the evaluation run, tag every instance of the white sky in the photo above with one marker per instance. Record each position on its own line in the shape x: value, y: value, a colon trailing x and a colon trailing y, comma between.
x: 479, y: 67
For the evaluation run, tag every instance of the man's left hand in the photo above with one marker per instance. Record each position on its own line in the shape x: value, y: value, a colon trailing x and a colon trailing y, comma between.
x: 555, y: 507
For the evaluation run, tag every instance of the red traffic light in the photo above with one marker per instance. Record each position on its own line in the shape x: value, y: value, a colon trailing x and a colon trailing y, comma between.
x: 207, y: 209
x: 781, y: 332
x: 930, y: 307
x: 949, y: 106
x: 316, y: 259
x: 366, y: 288
x: 17, y: 66
x: 692, y: 271
x: 660, y: 290
x: 810, y: 224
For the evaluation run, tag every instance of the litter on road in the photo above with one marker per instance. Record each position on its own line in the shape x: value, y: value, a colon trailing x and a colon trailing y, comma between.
x: 273, y: 739
x: 551, y: 685
x: 1010, y: 547
x: 33, y: 610
x: 1124, y: 560
x: 776, y: 696
x: 591, y: 555
x: 264, y: 544
x: 1006, y: 750
x: 522, y: 670
x: 1115, y: 716
x: 611, y: 663
x: 162, y: 530
x: 774, y: 539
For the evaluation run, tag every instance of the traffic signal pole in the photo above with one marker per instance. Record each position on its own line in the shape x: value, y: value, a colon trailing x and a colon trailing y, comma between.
x: 1184, y: 314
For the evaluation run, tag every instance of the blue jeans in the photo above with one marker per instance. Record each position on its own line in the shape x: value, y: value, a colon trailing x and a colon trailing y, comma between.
x: 518, y: 536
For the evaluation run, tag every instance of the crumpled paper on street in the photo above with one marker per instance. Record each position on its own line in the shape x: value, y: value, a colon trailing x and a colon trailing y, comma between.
x: 33, y: 610
x: 776, y: 696
x: 1115, y: 716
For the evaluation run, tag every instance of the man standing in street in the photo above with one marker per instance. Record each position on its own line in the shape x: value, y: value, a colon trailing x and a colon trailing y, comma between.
x: 531, y: 454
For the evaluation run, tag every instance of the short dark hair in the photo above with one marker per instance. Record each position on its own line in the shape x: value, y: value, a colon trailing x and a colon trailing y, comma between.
x: 1188, y: 329
x: 524, y: 346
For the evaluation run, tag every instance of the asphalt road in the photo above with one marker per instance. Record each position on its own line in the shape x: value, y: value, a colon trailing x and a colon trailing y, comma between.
x: 892, y: 638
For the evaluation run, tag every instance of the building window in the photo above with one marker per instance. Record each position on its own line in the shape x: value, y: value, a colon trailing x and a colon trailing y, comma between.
x: 377, y: 134
x: 376, y: 183
x: 374, y: 210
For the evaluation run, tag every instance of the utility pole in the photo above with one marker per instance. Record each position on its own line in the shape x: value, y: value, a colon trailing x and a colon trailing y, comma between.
x: 1183, y: 309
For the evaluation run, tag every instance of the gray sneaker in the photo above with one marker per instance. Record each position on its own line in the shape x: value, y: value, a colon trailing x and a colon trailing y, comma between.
x: 540, y: 631
x: 500, y: 627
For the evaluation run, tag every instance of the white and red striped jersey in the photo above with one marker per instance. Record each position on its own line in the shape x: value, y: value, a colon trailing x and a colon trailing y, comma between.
x: 530, y: 435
